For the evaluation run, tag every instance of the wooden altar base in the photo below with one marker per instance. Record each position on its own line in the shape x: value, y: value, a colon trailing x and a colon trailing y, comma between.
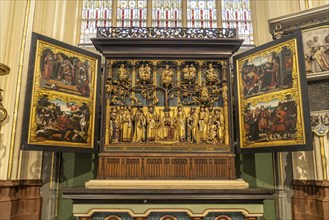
x: 194, y: 204
x: 166, y: 166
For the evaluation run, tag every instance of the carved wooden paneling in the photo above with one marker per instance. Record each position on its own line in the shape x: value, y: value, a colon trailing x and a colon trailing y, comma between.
x: 20, y: 199
x: 166, y: 166
x: 153, y: 167
x: 310, y: 199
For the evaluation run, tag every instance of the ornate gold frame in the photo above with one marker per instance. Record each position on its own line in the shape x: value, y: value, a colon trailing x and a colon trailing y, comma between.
x: 169, y: 146
x: 301, y: 135
x: 81, y: 106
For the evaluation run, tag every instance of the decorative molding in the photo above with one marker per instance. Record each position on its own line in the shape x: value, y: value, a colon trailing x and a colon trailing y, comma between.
x: 162, y: 32
x: 320, y: 122
x: 287, y: 24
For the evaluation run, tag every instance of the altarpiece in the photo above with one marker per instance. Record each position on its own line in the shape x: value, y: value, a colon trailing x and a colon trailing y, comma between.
x: 166, y: 106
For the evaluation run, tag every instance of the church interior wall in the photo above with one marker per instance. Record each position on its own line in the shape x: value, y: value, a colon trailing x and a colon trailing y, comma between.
x: 60, y: 20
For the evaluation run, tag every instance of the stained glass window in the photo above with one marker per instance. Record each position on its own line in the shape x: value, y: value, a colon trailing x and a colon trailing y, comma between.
x: 167, y: 13
x: 132, y: 13
x: 95, y: 13
x: 201, y: 14
x: 236, y: 14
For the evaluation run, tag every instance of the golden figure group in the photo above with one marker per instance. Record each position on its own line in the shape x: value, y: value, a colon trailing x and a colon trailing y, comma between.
x: 192, y: 125
x: 189, y: 72
x: 145, y: 73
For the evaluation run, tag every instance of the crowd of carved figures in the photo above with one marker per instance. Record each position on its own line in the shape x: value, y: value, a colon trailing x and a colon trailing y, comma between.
x: 166, y: 101
x: 179, y: 124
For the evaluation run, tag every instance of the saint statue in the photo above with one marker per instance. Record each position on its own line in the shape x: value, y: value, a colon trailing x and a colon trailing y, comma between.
x: 152, y: 124
x: 115, y: 122
x: 140, y: 124
x: 212, y: 134
x: 192, y: 125
x: 203, y: 124
x: 168, y: 130
x: 127, y: 127
x: 219, y: 119
x: 180, y: 123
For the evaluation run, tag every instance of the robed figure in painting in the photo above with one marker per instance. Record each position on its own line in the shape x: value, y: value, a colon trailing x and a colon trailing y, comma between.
x: 254, y: 122
x: 48, y: 66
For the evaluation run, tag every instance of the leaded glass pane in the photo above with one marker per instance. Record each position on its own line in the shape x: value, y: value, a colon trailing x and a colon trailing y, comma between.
x: 132, y: 13
x: 167, y: 13
x: 236, y: 14
x: 95, y: 13
x: 201, y: 14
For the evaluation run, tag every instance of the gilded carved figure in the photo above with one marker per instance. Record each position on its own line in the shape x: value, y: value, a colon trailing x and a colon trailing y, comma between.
x: 127, y: 124
x: 192, y: 126
x: 167, y: 128
x: 167, y: 76
x: 123, y: 73
x: 140, y: 126
x: 152, y: 123
x: 115, y: 124
x: 211, y: 74
x: 203, y: 124
x: 145, y: 73
x: 187, y: 111
x: 180, y: 123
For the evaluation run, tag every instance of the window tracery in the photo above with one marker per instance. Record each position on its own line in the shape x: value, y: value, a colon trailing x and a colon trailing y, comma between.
x: 167, y: 14
x: 132, y: 13
x: 201, y: 14
x: 237, y: 14
x: 94, y: 14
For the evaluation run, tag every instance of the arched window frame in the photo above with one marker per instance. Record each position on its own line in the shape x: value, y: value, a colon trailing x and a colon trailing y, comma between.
x: 239, y: 15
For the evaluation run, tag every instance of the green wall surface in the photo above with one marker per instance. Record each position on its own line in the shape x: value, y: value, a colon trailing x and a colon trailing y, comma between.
x: 78, y: 168
x: 257, y: 170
